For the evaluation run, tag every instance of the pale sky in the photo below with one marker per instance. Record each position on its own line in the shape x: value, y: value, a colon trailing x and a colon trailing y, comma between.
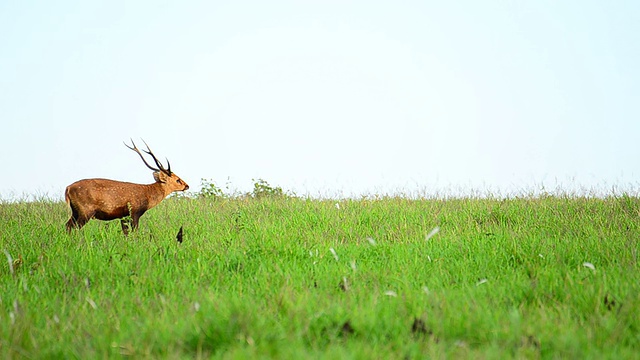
x: 331, y: 98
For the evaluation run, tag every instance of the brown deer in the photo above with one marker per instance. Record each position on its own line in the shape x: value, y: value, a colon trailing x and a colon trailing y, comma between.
x: 105, y: 199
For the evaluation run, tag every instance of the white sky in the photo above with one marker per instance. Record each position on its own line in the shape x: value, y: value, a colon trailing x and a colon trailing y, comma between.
x: 334, y: 98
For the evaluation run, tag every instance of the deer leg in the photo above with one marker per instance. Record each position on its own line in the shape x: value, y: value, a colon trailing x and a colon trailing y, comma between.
x: 73, y: 220
x: 134, y: 222
x: 135, y: 217
x: 71, y: 224
x: 125, y: 226
x: 76, y: 221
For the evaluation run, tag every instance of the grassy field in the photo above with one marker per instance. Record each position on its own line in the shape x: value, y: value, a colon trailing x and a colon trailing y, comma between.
x: 545, y: 277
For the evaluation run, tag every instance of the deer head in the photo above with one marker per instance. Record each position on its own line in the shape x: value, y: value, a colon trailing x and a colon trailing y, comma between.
x: 161, y: 174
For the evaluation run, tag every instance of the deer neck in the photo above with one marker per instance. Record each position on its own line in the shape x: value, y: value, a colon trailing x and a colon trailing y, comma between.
x: 159, y: 191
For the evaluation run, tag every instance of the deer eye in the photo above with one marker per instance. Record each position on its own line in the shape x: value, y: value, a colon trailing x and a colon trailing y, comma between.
x: 179, y: 181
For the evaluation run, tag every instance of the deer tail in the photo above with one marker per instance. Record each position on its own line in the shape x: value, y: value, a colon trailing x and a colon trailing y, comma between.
x: 66, y: 197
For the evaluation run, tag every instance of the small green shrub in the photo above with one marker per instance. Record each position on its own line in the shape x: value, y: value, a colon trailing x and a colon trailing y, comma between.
x: 262, y: 189
x: 210, y: 190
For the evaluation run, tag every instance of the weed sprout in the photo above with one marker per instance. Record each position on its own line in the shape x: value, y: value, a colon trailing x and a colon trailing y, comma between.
x: 335, y: 255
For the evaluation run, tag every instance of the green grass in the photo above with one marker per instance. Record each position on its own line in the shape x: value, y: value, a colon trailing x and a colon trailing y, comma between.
x: 256, y: 278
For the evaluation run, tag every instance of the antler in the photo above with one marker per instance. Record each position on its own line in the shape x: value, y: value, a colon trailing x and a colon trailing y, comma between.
x: 148, y: 151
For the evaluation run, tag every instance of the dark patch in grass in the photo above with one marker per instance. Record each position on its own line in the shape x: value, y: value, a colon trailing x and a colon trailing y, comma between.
x: 344, y: 285
x: 323, y: 331
x: 238, y: 220
x: 419, y: 327
x: 346, y: 329
x: 609, y: 302
x: 179, y: 236
x: 530, y: 341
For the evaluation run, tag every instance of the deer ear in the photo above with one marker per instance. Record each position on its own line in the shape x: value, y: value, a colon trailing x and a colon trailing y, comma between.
x: 160, y: 176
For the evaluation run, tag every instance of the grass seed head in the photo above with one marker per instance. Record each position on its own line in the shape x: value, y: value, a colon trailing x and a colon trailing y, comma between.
x: 432, y: 233
x: 335, y: 255
x: 10, y: 260
x: 91, y: 303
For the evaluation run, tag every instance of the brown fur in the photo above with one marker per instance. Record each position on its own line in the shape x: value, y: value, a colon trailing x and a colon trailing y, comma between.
x: 105, y: 199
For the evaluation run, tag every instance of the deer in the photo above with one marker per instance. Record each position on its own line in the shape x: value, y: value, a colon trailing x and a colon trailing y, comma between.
x: 105, y: 199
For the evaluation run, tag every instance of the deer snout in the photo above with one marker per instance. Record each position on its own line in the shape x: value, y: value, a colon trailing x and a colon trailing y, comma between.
x: 186, y: 187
